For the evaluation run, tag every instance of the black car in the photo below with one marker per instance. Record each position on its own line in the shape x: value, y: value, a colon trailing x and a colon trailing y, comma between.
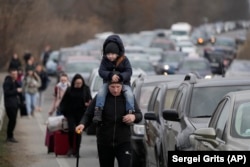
x: 192, y: 107
x: 169, y: 62
x: 216, y: 60
x: 142, y: 88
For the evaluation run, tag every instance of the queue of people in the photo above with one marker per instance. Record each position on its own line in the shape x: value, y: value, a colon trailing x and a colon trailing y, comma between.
x: 113, y: 106
x: 22, y: 89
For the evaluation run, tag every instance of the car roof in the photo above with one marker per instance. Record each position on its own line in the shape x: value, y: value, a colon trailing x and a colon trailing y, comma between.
x: 158, y: 78
x: 240, y: 95
x: 219, y: 81
x: 81, y: 58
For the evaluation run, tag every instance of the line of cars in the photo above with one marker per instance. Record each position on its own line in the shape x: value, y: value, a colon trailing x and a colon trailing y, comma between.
x: 174, y: 112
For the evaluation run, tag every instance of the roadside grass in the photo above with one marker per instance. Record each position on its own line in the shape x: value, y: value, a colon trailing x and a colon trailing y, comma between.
x: 5, y: 158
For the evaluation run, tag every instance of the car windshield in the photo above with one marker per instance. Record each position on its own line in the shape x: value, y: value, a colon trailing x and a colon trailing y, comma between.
x: 205, y: 99
x: 173, y: 58
x: 179, y: 33
x: 240, y: 66
x: 163, y: 45
x: 194, y: 65
x: 144, y: 65
x: 241, y: 120
x: 80, y: 67
x: 224, y: 42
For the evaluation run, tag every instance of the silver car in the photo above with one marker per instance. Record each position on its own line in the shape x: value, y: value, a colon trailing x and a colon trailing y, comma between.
x: 229, y: 127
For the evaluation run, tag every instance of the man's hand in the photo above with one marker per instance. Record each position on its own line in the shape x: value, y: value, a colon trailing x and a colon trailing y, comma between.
x: 115, y: 78
x: 79, y: 128
x: 129, y: 118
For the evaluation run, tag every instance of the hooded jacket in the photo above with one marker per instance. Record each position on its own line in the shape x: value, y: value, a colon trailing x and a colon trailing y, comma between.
x: 15, y: 64
x: 73, y: 100
x: 121, y: 66
x: 112, y: 131
x: 10, y: 92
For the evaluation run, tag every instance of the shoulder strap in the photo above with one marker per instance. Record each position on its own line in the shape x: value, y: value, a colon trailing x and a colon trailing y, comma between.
x: 119, y: 60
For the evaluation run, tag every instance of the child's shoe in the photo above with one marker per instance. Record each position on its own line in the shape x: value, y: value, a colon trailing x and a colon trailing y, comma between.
x: 98, y: 115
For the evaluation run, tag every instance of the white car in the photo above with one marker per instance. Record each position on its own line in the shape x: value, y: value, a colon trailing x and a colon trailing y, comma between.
x: 186, y: 46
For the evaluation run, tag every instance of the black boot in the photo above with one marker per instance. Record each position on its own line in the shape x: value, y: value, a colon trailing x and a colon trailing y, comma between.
x: 98, y: 115
x: 70, y: 152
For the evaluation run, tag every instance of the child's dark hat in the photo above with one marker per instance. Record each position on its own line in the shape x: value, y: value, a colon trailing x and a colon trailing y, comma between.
x: 111, y: 47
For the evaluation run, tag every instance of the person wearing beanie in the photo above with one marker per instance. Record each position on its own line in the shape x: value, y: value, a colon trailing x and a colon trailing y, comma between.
x: 113, y: 133
x: 114, y: 67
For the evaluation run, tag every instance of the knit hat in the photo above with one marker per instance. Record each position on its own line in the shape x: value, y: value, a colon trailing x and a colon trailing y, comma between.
x: 111, y: 47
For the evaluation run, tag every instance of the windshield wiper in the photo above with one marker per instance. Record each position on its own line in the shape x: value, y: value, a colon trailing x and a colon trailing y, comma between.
x: 202, y: 116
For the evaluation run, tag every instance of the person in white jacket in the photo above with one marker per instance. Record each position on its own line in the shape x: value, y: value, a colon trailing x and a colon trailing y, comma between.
x: 60, y: 89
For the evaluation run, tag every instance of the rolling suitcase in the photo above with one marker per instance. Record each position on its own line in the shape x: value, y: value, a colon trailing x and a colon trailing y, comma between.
x: 49, y: 141
x: 61, y: 144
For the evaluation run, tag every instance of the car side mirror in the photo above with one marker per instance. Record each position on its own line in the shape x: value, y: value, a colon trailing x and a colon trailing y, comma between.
x: 171, y: 115
x: 150, y: 116
x: 207, y: 135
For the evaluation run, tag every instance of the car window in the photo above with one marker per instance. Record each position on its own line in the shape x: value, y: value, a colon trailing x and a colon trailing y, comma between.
x: 222, y: 119
x: 241, y: 123
x: 216, y: 113
x: 146, y: 91
x: 182, y: 100
x: 153, y: 99
x: 169, y: 98
x: 205, y: 99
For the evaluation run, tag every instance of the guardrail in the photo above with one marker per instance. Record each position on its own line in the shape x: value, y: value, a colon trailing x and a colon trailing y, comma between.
x: 2, y: 111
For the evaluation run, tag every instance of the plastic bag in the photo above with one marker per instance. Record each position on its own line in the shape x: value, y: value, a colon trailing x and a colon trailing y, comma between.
x: 55, y: 123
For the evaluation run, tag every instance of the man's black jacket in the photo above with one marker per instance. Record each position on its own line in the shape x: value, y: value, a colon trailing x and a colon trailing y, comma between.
x: 10, y: 93
x: 112, y: 131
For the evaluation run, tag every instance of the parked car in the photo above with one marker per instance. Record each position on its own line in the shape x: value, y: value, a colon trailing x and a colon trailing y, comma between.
x: 52, y: 63
x: 82, y: 65
x: 229, y: 127
x: 169, y: 62
x: 143, y: 64
x: 238, y: 67
x: 64, y: 53
x: 155, y: 136
x: 199, y: 65
x: 142, y: 88
x: 216, y: 60
x: 193, y: 107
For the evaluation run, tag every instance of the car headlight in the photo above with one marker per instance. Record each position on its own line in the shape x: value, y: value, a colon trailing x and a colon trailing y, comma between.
x: 208, y: 76
x: 139, y: 129
x: 166, y: 67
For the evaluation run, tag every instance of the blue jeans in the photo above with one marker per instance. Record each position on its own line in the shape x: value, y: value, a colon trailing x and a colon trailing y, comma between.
x: 127, y: 91
x: 30, y: 100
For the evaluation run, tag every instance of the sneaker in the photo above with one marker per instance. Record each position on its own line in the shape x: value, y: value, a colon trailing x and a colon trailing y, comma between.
x: 98, y: 115
x: 12, y: 140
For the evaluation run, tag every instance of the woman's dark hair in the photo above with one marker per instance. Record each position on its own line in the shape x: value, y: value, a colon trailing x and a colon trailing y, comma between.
x: 77, y: 76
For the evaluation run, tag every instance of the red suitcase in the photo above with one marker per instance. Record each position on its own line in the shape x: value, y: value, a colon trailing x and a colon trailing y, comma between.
x: 49, y: 141
x: 61, y: 144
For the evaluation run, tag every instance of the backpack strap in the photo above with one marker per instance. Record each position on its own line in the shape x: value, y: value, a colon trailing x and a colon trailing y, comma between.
x: 119, y: 60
